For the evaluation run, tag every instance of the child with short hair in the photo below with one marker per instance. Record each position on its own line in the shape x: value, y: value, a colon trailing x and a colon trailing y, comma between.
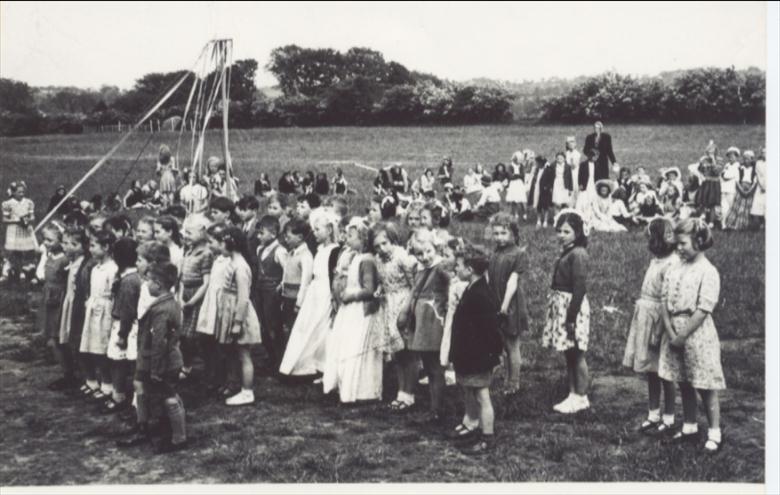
x: 119, y: 225
x: 195, y: 271
x: 423, y: 319
x: 76, y: 247
x: 97, y: 318
x: 647, y: 328
x: 144, y: 229
x: 297, y: 271
x: 122, y: 343
x: 305, y: 352
x: 690, y: 350
x: 277, y: 207
x: 222, y: 210
x: 567, y: 325
x: 271, y: 258
x: 159, y: 362
x: 54, y: 285
x: 508, y: 264
x: 476, y: 347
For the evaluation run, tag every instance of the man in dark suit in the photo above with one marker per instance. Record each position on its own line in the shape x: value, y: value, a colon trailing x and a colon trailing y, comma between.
x: 602, y: 142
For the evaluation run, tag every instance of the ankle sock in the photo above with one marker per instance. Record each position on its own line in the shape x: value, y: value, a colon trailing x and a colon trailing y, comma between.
x: 107, y: 389
x: 469, y: 423
x: 654, y: 415
x: 714, y: 434
x: 93, y: 384
x: 690, y: 428
x: 668, y: 419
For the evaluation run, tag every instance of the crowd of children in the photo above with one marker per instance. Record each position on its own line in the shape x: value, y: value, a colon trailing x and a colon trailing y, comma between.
x: 331, y: 297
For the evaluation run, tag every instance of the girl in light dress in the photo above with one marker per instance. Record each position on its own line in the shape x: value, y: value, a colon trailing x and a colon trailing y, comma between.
x: 97, y: 319
x: 207, y: 316
x: 563, y: 184
x: 354, y: 353
x: 396, y: 269
x: 759, y: 197
x: 647, y: 328
x: 237, y: 327
x: 166, y: 169
x: 690, y: 348
x: 573, y: 158
x: 18, y: 215
x: 306, y: 348
x: 586, y: 182
x: 601, y: 217
x: 729, y: 177
x: 472, y: 184
x: 516, y: 194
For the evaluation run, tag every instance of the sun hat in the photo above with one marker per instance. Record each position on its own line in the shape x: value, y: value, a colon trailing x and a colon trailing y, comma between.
x: 667, y: 171
x: 749, y: 154
x: 605, y: 183
x: 733, y: 149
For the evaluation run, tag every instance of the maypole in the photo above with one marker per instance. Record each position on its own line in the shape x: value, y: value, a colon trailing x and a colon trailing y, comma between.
x: 214, y: 63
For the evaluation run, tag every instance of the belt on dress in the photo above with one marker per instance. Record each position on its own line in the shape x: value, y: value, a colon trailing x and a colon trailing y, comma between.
x: 685, y: 312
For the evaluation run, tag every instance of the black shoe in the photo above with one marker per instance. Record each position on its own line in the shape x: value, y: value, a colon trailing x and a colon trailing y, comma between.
x: 680, y: 438
x: 140, y: 437
x: 484, y: 445
x: 168, y: 447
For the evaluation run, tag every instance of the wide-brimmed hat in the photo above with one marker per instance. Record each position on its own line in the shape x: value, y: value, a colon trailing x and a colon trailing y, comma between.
x: 448, y: 185
x: 605, y: 183
x: 733, y: 149
x: 676, y: 170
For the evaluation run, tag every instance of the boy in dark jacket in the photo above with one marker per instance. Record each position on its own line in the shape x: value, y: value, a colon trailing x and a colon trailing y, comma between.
x: 159, y: 362
x: 476, y: 347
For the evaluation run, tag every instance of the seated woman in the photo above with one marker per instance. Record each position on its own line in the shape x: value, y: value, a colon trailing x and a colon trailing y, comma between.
x: 601, y: 206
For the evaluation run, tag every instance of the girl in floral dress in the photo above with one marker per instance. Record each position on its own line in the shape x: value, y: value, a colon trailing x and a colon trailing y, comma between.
x: 396, y: 268
x: 690, y: 350
x: 567, y: 328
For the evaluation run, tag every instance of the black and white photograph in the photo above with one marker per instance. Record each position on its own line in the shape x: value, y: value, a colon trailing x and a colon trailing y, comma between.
x: 407, y: 246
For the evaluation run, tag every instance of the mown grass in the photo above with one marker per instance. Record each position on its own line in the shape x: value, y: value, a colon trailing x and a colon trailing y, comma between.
x: 295, y: 434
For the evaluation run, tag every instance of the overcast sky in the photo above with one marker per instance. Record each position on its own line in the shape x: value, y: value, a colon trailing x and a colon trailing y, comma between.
x: 88, y: 45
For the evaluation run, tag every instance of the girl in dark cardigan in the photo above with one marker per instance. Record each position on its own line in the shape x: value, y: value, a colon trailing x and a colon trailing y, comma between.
x: 476, y: 346
x: 568, y: 313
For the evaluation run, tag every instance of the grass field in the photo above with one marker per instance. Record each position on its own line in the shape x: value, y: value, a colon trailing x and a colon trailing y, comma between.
x: 294, y: 434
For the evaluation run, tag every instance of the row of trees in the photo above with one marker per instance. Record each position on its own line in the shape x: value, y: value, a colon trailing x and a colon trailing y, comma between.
x: 359, y: 87
x: 709, y: 95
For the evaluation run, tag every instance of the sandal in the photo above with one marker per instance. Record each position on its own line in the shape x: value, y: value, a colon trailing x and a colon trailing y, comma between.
x: 393, y: 406
x: 461, y: 432
x: 663, y: 430
x: 98, y: 396
x: 85, y: 390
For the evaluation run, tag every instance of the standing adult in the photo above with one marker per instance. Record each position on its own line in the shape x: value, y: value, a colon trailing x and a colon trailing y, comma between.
x: 602, y: 142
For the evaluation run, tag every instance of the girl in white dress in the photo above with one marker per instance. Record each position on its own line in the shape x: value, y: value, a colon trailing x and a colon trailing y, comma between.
x: 18, y: 215
x: 354, y: 356
x: 516, y: 194
x: 305, y: 353
x: 98, y: 320
x: 573, y: 158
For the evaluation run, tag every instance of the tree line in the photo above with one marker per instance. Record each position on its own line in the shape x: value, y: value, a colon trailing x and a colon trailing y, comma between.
x: 322, y: 87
